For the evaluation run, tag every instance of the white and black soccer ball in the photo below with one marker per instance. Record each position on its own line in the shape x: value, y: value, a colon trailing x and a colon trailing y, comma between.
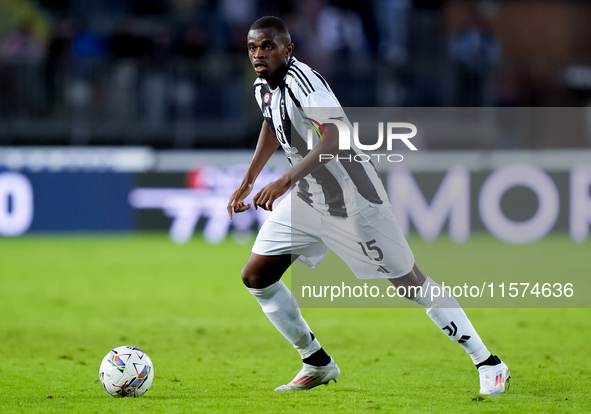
x: 126, y: 371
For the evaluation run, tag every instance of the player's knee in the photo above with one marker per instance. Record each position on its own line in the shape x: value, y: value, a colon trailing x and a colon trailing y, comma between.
x: 253, y: 278
x: 412, y: 281
x: 249, y: 277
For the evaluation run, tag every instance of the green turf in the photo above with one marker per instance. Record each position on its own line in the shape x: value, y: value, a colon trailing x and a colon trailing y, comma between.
x: 65, y: 301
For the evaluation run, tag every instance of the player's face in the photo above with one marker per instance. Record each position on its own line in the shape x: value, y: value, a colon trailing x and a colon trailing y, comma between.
x: 269, y: 53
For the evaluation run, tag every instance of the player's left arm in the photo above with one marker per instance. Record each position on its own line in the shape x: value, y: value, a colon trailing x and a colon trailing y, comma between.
x: 310, y: 163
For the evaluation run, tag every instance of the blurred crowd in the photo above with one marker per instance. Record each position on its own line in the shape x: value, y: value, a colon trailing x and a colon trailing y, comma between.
x: 174, y: 73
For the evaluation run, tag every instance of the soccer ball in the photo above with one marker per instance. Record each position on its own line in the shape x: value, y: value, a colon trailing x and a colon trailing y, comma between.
x: 126, y: 371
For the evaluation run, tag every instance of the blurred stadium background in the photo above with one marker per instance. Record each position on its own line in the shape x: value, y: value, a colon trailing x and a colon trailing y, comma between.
x: 102, y: 100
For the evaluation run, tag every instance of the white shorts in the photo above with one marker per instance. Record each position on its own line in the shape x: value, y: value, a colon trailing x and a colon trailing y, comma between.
x: 371, y: 242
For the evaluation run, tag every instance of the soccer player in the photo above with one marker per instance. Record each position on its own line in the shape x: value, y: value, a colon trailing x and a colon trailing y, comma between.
x: 341, y: 206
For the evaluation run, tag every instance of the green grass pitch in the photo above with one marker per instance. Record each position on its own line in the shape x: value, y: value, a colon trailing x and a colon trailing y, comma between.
x: 66, y: 301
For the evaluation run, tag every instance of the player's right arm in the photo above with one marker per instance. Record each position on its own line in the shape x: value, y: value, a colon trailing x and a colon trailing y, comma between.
x: 266, y: 147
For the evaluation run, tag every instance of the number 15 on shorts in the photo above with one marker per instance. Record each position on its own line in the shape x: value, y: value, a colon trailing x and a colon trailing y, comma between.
x: 371, y: 250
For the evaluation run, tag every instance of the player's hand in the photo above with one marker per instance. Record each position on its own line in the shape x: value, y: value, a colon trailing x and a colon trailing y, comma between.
x: 236, y: 203
x: 271, y: 192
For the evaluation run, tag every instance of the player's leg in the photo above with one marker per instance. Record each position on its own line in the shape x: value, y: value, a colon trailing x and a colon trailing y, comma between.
x: 262, y: 277
x: 373, y: 246
x: 445, y: 311
x: 271, y: 257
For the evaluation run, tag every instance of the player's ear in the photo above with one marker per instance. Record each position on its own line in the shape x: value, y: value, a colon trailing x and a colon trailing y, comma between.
x: 288, y: 50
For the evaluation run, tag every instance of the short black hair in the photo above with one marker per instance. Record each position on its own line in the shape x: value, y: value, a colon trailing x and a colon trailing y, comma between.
x: 272, y: 22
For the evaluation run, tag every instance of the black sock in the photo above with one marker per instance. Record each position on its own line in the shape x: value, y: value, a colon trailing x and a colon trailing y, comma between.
x: 319, y: 358
x: 491, y: 360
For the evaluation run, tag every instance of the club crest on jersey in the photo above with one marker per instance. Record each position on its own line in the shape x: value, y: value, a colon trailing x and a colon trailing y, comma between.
x: 267, y: 97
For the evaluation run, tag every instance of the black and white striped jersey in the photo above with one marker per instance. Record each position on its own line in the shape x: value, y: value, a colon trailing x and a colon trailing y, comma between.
x: 338, y: 188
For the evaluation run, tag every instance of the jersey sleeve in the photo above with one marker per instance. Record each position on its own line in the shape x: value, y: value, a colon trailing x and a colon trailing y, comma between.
x: 311, y: 93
